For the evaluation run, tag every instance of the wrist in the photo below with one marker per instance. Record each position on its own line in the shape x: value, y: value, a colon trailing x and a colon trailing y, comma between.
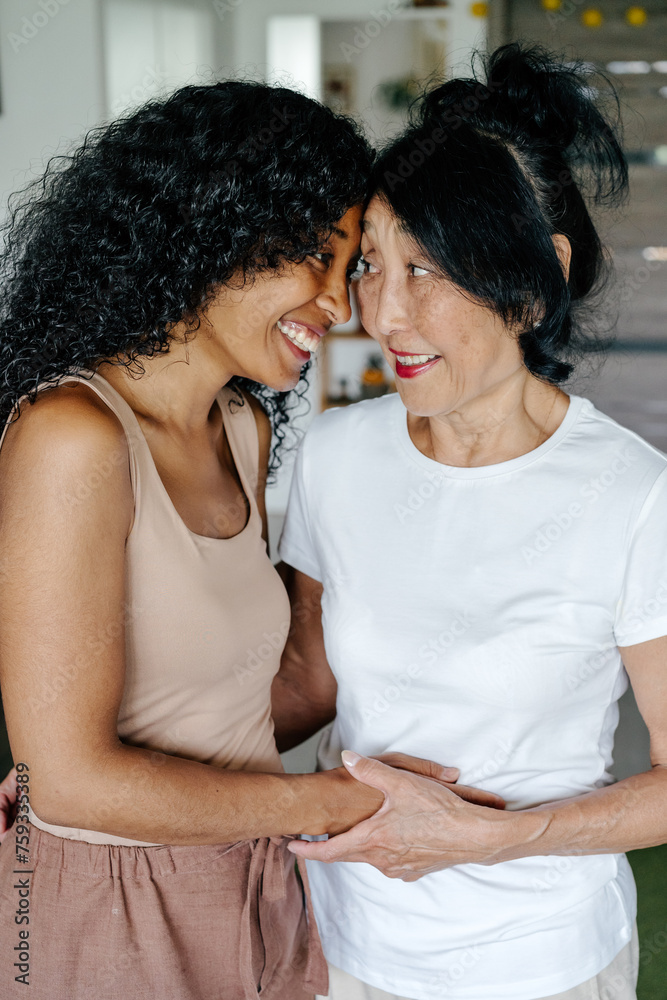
x: 340, y: 802
x: 518, y: 834
x: 312, y: 806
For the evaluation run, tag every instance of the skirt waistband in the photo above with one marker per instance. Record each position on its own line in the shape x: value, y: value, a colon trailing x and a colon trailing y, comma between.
x: 113, y: 861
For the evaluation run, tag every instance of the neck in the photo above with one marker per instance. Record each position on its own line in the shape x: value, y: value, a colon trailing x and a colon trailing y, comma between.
x: 176, y: 391
x: 514, y: 417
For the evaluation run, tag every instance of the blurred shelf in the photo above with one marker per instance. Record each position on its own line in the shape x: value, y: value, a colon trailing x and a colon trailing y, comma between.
x: 421, y: 13
x: 352, y: 335
x: 328, y: 403
x: 324, y: 363
x: 401, y: 14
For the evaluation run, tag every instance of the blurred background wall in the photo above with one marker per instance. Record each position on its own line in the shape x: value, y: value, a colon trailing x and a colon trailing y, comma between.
x: 68, y: 65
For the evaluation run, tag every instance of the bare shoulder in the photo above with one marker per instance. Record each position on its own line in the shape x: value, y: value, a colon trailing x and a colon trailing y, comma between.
x: 59, y: 441
x: 70, y: 411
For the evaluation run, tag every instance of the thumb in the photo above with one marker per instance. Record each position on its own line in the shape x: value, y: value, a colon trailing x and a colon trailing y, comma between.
x: 368, y: 770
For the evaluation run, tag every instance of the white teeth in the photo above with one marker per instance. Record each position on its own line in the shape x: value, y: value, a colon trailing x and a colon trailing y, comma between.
x: 416, y: 359
x: 300, y: 335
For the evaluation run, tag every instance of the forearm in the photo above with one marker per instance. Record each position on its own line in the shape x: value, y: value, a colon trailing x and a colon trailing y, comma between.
x: 303, y: 698
x: 296, y: 716
x: 143, y: 795
x: 625, y: 816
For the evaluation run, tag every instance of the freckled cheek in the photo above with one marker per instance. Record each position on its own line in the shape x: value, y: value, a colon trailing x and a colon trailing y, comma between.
x: 367, y: 306
x: 435, y: 325
x: 460, y: 334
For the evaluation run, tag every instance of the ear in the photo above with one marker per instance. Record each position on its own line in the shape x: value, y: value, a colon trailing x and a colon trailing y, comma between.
x: 563, y: 250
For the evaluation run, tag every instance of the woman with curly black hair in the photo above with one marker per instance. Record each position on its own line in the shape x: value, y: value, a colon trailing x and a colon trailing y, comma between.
x: 162, y: 288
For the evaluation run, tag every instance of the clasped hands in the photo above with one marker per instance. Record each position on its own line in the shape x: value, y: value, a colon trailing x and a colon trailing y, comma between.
x: 426, y: 823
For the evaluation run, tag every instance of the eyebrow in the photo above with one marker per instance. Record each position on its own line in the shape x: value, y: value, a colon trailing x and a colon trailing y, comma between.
x: 340, y: 232
x: 366, y: 224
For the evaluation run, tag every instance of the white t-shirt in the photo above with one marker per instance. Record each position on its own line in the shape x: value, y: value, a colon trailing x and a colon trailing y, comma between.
x: 472, y: 616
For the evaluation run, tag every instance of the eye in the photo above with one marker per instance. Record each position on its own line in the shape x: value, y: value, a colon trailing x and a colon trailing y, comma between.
x: 325, y: 256
x: 365, y: 267
x: 417, y: 271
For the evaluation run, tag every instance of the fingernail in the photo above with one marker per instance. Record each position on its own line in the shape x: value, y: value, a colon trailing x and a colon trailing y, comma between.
x: 350, y: 757
x: 452, y: 772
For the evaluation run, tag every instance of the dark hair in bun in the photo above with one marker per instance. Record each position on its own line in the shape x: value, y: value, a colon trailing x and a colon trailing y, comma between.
x: 488, y: 170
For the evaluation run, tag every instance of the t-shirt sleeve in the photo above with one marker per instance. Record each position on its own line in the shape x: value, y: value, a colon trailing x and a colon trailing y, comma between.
x: 642, y: 609
x: 296, y: 546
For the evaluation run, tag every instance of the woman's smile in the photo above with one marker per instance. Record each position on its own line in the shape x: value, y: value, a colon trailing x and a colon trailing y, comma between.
x: 412, y: 365
x: 302, y: 337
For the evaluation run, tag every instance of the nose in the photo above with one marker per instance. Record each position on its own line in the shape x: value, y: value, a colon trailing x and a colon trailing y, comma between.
x: 382, y: 305
x: 334, y: 298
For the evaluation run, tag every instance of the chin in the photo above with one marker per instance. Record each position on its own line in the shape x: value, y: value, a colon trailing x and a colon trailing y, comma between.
x: 282, y: 384
x: 423, y: 406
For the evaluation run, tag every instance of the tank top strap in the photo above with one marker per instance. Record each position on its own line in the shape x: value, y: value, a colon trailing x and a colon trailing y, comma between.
x: 241, y: 430
x: 119, y: 407
x: 122, y: 409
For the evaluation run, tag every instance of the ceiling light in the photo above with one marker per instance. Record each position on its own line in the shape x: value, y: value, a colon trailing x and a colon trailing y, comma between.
x: 636, y: 16
x: 592, y: 17
x: 654, y: 253
x: 632, y: 66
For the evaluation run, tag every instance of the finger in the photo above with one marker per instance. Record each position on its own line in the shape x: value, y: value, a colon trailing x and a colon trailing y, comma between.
x: 8, y: 785
x: 6, y: 811
x: 327, y: 851
x: 7, y: 816
x: 478, y: 796
x: 372, y: 772
x: 349, y: 846
x: 311, y: 850
x: 420, y: 765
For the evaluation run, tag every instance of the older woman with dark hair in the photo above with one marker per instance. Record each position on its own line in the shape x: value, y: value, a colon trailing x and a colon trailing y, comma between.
x: 489, y: 553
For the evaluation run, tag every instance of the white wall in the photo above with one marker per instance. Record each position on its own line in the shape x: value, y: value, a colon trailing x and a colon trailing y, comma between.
x: 52, y: 69
x: 52, y: 87
x: 155, y: 46
x: 250, y: 16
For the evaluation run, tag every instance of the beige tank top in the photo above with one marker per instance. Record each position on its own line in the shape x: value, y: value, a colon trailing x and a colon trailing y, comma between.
x: 206, y: 619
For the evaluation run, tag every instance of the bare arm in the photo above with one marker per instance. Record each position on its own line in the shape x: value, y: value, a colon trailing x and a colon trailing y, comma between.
x: 422, y: 828
x: 62, y: 535
x: 304, y: 691
x: 632, y: 813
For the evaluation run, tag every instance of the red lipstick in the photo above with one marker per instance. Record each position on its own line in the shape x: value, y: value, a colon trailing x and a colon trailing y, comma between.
x: 411, y: 371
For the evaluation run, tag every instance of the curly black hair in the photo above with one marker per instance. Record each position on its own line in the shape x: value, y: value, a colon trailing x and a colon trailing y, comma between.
x: 489, y: 169
x: 134, y: 230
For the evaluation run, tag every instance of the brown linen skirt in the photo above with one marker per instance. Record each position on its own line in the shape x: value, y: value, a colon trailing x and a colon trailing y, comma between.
x: 222, y: 922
